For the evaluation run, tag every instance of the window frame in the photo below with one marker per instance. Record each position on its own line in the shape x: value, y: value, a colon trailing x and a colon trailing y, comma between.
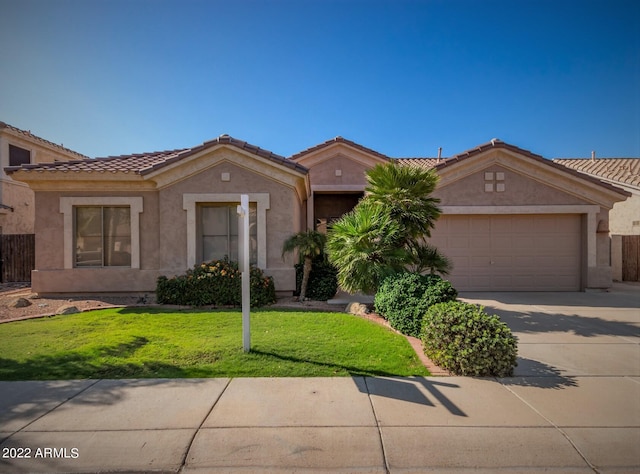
x: 103, y: 236
x: 67, y: 205
x: 190, y: 204
x: 231, y: 208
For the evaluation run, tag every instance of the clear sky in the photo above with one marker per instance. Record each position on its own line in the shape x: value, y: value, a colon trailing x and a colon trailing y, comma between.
x: 404, y: 77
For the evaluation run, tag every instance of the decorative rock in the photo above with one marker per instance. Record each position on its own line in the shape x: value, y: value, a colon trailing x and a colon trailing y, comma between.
x: 67, y: 309
x: 20, y: 303
x: 357, y: 308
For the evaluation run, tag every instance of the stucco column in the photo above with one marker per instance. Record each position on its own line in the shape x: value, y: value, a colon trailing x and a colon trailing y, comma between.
x: 310, y: 214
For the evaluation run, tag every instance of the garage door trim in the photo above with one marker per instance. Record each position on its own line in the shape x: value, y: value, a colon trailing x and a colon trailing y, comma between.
x: 590, y: 210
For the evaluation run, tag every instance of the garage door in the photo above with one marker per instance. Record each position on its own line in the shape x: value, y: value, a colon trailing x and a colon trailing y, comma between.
x: 511, y: 253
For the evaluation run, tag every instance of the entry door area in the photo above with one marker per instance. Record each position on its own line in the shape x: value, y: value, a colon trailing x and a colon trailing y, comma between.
x: 512, y: 252
x: 328, y: 207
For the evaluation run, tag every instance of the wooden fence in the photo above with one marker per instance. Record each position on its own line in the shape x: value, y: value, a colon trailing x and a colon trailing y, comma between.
x: 17, y: 257
x: 631, y: 257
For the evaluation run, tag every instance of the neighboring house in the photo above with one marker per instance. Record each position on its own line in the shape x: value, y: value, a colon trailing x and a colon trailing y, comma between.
x: 511, y: 219
x: 624, y: 218
x: 17, y: 209
x: 18, y: 147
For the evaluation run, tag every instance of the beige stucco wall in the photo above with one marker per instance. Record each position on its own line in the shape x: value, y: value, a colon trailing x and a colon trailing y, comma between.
x: 624, y: 214
x: 519, y: 191
x: 351, y: 172
x: 16, y: 194
x: 283, y: 217
x: 624, y: 219
x: 22, y: 219
x: 50, y: 276
x: 163, y: 231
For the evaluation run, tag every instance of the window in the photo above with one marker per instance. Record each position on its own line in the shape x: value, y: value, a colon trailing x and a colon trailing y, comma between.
x: 102, y: 236
x: 219, y: 232
x: 18, y: 156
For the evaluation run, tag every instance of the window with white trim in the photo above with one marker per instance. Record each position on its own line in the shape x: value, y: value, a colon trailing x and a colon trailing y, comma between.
x: 102, y: 236
x: 218, y: 232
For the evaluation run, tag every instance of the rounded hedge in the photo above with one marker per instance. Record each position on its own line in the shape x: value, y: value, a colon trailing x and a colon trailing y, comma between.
x: 323, y: 281
x: 215, y: 283
x: 403, y: 299
x: 463, y: 339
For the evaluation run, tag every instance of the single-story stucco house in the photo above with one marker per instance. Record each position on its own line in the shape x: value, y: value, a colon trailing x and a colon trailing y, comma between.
x: 511, y: 220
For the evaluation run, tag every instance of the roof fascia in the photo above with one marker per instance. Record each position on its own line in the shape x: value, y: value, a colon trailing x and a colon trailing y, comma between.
x: 26, y: 137
x: 194, y: 163
x: 360, y: 155
x: 538, y: 169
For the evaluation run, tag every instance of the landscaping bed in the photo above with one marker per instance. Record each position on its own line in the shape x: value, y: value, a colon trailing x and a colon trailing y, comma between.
x: 10, y: 293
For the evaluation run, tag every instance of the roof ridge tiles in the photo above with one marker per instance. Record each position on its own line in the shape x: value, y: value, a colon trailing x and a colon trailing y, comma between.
x: 337, y: 139
x: 143, y: 154
x: 144, y: 163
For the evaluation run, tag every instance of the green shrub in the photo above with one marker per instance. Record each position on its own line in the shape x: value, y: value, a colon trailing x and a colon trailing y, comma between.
x: 404, y: 298
x: 215, y: 283
x: 463, y: 339
x: 323, y: 280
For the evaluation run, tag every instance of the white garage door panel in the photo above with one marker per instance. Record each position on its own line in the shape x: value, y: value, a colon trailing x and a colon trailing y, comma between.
x: 511, y: 253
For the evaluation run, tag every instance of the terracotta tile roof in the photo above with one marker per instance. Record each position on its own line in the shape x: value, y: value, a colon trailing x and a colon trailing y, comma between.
x: 27, y: 134
x: 145, y: 163
x: 497, y: 143
x: 618, y: 170
x: 494, y: 143
x: 444, y: 162
x: 337, y: 140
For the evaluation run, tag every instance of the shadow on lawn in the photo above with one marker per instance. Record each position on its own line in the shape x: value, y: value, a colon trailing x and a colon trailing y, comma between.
x: 351, y: 370
x: 74, y: 365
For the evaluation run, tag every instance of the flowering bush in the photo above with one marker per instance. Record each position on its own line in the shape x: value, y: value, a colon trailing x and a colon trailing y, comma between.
x: 216, y: 283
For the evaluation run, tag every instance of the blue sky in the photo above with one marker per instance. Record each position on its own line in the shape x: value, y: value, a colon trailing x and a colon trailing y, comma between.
x: 404, y: 77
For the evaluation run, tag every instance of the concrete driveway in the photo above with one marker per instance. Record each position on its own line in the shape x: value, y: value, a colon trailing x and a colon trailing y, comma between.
x: 573, y: 407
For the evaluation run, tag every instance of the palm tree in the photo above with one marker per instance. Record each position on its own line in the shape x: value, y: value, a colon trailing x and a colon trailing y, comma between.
x: 364, y: 246
x: 385, y: 232
x: 426, y: 257
x: 309, y: 244
x: 406, y: 192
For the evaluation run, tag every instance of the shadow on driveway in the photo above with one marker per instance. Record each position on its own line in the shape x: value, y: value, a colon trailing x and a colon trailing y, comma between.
x: 405, y: 389
x: 531, y: 373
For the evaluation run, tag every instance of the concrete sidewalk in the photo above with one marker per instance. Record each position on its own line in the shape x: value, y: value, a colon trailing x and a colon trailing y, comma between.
x: 573, y: 406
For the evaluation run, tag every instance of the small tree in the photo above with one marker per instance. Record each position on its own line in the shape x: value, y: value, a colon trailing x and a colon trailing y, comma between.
x: 386, y: 231
x: 405, y: 192
x: 309, y: 244
x: 363, y: 245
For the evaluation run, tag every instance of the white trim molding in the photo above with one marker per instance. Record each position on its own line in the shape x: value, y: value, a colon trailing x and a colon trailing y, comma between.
x: 66, y: 208
x: 190, y: 202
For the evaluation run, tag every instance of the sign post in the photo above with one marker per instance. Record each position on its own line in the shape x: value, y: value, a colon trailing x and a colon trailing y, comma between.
x: 244, y: 256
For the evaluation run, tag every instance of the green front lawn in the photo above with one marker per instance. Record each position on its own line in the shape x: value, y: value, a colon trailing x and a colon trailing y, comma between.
x: 138, y: 343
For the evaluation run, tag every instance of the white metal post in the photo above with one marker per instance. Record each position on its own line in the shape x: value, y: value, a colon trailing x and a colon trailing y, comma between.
x: 244, y: 257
